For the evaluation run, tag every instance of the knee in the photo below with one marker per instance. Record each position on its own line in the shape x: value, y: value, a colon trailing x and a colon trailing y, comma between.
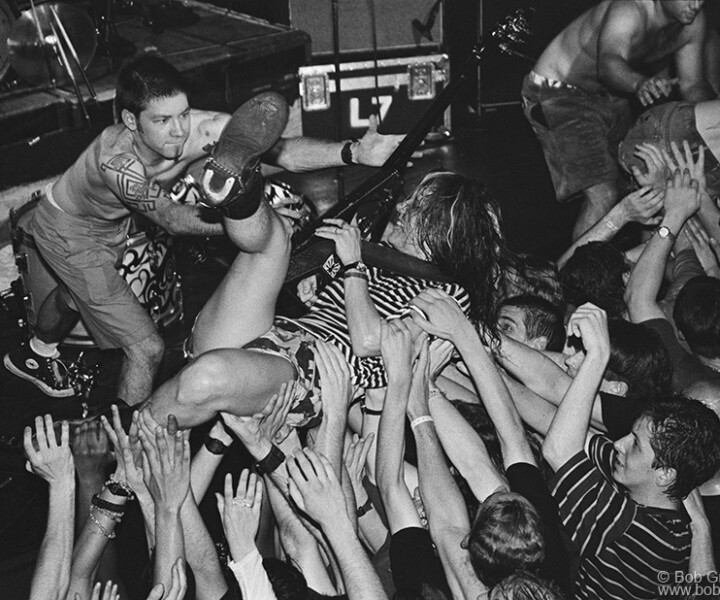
x: 210, y: 374
x: 149, y: 350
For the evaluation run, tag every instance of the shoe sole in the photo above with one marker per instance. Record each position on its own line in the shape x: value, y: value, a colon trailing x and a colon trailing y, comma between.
x: 46, y: 389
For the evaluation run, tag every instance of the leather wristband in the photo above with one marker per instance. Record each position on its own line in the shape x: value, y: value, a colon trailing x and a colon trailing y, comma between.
x: 346, y: 152
x: 271, y: 462
x: 107, y: 505
x: 215, y: 446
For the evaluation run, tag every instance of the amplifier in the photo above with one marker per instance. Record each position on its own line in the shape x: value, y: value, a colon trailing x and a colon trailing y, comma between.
x: 368, y: 25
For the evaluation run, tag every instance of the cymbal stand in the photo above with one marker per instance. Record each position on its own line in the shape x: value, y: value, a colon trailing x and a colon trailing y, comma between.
x: 42, y: 43
x: 59, y: 41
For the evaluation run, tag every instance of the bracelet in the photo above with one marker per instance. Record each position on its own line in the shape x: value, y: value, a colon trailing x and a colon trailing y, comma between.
x: 108, y: 534
x: 369, y: 411
x: 115, y: 516
x: 357, y: 275
x: 99, y: 502
x: 421, y: 420
x: 346, y: 152
x: 215, y: 446
x: 271, y: 462
x: 119, y: 488
x: 365, y: 508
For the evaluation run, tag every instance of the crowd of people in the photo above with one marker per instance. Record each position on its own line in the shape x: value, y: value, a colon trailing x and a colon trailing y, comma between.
x: 514, y: 428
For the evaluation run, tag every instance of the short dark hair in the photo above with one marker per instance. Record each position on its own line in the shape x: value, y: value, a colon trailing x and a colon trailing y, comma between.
x: 525, y: 586
x: 594, y: 273
x: 697, y: 315
x: 540, y: 317
x: 145, y: 78
x: 507, y: 535
x: 685, y: 436
x: 639, y: 358
x: 529, y: 274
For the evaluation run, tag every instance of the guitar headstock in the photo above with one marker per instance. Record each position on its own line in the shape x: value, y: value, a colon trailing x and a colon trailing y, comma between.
x: 508, y: 35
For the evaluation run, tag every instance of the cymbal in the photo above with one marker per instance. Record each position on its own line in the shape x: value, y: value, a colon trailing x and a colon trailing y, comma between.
x: 34, y: 46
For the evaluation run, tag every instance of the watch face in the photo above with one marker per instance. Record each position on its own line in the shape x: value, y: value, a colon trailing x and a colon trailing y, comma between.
x: 362, y: 267
x: 664, y: 232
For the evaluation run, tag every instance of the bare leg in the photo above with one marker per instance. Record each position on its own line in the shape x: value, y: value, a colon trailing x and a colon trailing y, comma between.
x: 228, y: 380
x: 56, y: 317
x: 139, y: 368
x: 599, y: 199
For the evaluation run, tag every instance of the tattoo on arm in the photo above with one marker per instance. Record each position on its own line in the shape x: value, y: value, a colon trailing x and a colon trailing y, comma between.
x: 129, y: 181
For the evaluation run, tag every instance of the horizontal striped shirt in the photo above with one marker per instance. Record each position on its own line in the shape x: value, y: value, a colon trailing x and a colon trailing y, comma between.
x: 390, y: 294
x: 623, y: 545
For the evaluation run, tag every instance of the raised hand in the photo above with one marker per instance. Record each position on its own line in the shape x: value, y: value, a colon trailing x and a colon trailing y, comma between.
x: 684, y: 160
x: 166, y: 463
x: 396, y: 348
x: 240, y: 512
x: 644, y: 205
x: 128, y: 453
x: 444, y: 317
x: 657, y: 170
x: 682, y: 199
x: 91, y: 450
x: 374, y: 148
x: 109, y: 592
x: 45, y: 457
x: 589, y: 323
x: 335, y: 382
x: 439, y: 354
x: 346, y: 237
x: 315, y: 488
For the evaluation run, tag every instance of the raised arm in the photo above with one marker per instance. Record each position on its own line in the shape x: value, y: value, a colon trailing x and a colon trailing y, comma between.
x: 53, y: 462
x: 641, y: 294
x: 568, y: 430
x: 397, y: 352
x: 317, y: 491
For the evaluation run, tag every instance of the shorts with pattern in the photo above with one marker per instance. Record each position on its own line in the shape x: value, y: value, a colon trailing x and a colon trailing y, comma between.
x: 579, y: 132
x: 661, y: 125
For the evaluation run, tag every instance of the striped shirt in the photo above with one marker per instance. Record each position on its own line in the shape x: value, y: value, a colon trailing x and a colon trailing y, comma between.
x: 390, y: 293
x: 623, y: 545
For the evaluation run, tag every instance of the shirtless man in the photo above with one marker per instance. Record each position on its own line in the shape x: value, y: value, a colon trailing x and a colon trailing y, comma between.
x: 576, y: 96
x: 81, y: 222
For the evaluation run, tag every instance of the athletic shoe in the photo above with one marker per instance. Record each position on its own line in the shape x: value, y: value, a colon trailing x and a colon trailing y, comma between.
x: 49, y: 374
x: 232, y: 174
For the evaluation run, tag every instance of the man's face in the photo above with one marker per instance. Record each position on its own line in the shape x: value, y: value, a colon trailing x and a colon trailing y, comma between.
x: 511, y: 322
x: 164, y: 125
x: 633, y: 466
x: 683, y: 11
x: 404, y: 232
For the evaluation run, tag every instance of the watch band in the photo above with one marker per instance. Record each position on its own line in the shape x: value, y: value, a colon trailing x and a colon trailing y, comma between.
x: 215, y: 446
x: 358, y: 265
x: 346, y: 152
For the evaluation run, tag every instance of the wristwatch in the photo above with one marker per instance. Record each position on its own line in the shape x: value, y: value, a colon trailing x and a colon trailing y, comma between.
x: 358, y: 266
x: 665, y: 233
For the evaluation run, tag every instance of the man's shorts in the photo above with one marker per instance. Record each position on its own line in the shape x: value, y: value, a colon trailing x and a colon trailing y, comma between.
x: 578, y: 131
x: 289, y: 341
x: 85, y: 254
x: 661, y: 125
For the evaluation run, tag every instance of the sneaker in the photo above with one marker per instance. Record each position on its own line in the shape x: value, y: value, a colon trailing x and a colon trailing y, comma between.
x: 232, y: 174
x: 49, y: 374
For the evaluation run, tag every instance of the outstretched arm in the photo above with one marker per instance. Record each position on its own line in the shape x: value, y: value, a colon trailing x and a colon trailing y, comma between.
x: 299, y: 154
x: 568, y: 430
x: 53, y: 462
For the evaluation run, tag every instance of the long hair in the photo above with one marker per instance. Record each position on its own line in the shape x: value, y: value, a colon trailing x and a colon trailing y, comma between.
x: 458, y: 226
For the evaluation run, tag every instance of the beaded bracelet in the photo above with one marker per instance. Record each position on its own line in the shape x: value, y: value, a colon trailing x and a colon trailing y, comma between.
x: 119, y: 488
x: 117, y: 517
x: 107, y: 505
x: 108, y: 534
x: 215, y: 446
